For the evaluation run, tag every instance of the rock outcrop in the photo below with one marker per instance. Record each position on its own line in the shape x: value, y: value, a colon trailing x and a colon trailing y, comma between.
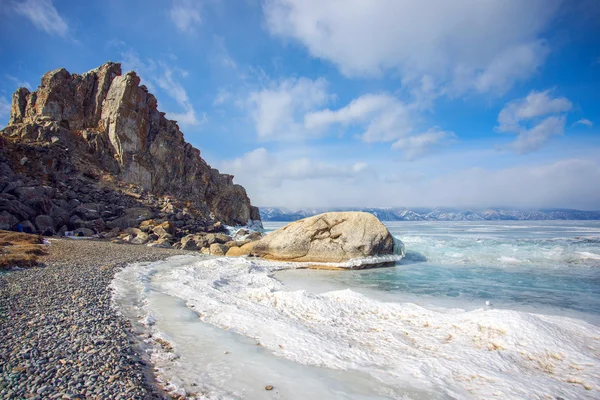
x: 93, y: 152
x: 329, y: 238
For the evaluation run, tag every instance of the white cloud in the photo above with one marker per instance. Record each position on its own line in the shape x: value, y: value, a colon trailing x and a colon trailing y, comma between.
x: 18, y: 82
x: 221, y: 54
x: 277, y: 111
x: 383, y: 117
x: 43, y: 15
x: 163, y: 76
x: 4, y: 108
x: 514, y: 64
x: 186, y: 15
x: 272, y: 181
x: 222, y: 97
x: 564, y: 183
x: 523, y: 117
x: 175, y: 90
x: 492, y: 43
x: 269, y: 171
x: 585, y: 122
x: 533, y: 139
x: 419, y: 145
x: 536, y: 104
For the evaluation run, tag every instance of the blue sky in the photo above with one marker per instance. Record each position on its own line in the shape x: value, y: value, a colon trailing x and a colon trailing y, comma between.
x: 469, y: 103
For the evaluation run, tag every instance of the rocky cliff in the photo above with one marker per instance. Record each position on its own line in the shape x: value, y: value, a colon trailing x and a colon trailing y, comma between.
x: 99, y: 138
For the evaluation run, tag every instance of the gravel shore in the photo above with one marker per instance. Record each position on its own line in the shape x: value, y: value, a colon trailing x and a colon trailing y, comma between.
x: 59, y: 336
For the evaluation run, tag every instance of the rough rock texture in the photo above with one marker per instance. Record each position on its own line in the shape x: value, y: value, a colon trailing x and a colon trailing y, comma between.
x: 329, y: 237
x: 106, y: 126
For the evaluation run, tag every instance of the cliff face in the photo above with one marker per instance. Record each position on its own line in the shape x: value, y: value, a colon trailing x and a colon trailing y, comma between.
x: 106, y: 123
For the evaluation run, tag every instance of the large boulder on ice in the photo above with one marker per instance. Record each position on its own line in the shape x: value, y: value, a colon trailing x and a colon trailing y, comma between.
x: 329, y: 238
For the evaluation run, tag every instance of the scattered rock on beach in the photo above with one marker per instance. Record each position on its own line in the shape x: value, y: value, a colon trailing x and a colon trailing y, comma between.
x: 64, y: 340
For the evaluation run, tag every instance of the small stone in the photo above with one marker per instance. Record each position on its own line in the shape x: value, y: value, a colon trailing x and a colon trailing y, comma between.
x: 268, y: 387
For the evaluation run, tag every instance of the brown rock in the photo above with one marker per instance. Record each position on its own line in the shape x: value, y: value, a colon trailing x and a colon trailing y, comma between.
x: 240, y: 251
x: 217, y: 249
x: 168, y: 226
x: 161, y: 232
x: 148, y: 225
x: 76, y: 130
x: 193, y: 242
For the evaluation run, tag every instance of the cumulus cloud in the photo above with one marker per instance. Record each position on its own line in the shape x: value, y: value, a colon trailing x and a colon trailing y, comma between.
x: 43, y: 15
x: 419, y: 145
x: 585, y: 122
x: 185, y: 14
x: 535, y: 119
x: 277, y: 110
x: 383, y: 117
x: 166, y: 77
x: 489, y: 44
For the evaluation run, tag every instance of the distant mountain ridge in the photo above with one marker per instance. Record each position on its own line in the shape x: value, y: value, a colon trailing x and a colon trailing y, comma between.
x: 436, y: 214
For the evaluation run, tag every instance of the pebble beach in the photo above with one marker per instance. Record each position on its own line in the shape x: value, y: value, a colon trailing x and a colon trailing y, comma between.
x: 61, y: 338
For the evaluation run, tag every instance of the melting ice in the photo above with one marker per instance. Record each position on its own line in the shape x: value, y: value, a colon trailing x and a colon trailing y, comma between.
x: 226, y: 328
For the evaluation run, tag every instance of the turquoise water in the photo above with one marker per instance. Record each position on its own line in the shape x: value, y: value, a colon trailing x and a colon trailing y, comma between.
x: 540, y: 266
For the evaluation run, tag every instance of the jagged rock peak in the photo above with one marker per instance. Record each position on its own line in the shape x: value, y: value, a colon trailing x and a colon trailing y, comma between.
x: 112, y: 116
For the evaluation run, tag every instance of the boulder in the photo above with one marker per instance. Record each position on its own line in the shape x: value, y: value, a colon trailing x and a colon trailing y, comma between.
x: 7, y: 221
x: 219, y: 238
x: 329, y: 238
x: 88, y: 211
x: 168, y: 226
x: 217, y: 249
x: 44, y: 223
x: 205, y: 250
x: 59, y: 215
x: 137, y: 236
x: 41, y: 205
x: 148, y: 225
x: 29, y: 193
x: 253, y: 236
x: 133, y: 217
x: 17, y: 208
x: 113, y: 233
x: 193, y: 242
x: 161, y: 232
x: 237, y: 251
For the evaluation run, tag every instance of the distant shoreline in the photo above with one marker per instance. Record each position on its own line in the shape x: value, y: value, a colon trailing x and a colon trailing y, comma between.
x: 283, y: 214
